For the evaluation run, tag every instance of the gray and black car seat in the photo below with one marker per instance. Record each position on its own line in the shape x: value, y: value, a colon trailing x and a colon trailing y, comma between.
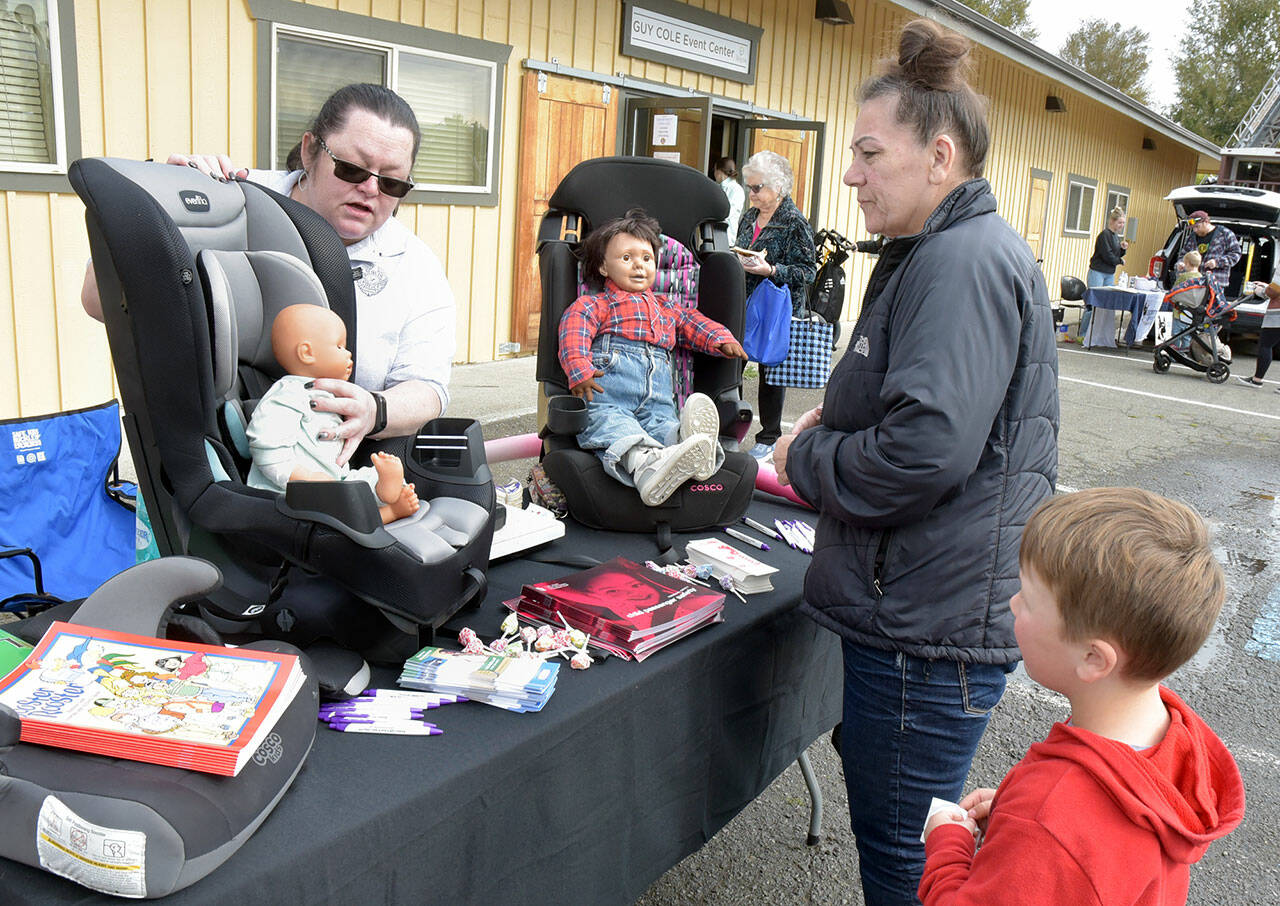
x: 691, y: 210
x: 192, y: 272
x: 182, y: 824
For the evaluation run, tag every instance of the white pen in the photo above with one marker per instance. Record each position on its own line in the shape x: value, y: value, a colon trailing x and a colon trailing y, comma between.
x: 745, y: 538
x: 762, y: 529
x: 390, y: 729
x: 787, y: 536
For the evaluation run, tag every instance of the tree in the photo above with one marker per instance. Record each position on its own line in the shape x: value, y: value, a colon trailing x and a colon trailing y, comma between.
x: 1230, y: 50
x: 1116, y: 55
x: 1012, y: 14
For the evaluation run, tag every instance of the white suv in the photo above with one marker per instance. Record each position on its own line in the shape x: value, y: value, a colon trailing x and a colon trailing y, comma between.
x: 1254, y: 216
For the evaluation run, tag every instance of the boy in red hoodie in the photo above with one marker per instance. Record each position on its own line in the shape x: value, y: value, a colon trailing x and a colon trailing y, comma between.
x: 1119, y: 589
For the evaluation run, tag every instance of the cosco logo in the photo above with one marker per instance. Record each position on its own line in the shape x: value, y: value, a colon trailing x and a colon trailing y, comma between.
x: 706, y: 487
x: 196, y: 202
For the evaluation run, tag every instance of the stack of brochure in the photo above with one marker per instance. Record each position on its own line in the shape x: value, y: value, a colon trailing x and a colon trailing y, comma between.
x: 626, y: 609
x: 749, y: 574
x: 516, y: 684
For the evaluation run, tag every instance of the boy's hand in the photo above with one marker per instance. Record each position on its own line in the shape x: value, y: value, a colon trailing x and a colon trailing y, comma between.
x: 732, y: 349
x: 950, y: 816
x: 977, y: 806
x: 587, y: 386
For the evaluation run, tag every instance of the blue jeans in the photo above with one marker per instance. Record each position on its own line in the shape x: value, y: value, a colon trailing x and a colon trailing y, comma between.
x: 636, y: 404
x: 911, y: 727
x: 1092, y: 279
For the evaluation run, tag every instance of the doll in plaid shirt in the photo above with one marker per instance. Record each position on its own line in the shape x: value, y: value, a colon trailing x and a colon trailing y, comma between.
x: 615, y: 348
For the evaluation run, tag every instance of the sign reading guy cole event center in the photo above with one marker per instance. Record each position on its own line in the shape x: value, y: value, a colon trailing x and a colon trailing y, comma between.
x: 668, y: 32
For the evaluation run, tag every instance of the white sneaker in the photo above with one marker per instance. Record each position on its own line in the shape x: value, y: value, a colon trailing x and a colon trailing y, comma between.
x: 699, y: 416
x: 670, y: 467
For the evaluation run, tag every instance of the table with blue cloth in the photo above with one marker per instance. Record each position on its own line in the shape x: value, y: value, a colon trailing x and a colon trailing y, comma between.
x: 1106, y: 300
x: 629, y: 768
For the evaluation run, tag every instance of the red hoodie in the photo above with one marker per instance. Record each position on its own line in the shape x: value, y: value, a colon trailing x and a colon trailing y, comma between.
x: 1083, y: 819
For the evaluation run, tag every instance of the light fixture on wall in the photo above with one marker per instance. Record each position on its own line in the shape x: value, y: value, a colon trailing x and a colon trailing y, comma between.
x: 1054, y: 104
x: 1148, y: 144
x: 833, y: 12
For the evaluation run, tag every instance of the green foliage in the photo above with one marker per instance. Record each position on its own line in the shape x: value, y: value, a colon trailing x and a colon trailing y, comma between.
x: 1012, y: 14
x: 1116, y: 55
x: 1230, y: 49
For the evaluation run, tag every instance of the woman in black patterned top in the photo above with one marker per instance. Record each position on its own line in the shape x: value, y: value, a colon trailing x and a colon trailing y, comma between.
x: 774, y: 224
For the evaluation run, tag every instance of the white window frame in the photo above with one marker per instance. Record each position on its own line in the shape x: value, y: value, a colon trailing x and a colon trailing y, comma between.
x: 1114, y: 192
x: 1082, y: 182
x: 51, y: 177
x: 382, y: 34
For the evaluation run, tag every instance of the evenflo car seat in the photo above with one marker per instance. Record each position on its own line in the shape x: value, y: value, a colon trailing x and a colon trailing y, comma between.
x: 157, y: 828
x: 191, y: 274
x: 695, y: 268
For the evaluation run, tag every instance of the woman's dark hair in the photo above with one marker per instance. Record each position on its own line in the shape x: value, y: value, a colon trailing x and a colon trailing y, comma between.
x: 381, y: 102
x: 726, y: 165
x: 634, y: 223
x: 930, y: 78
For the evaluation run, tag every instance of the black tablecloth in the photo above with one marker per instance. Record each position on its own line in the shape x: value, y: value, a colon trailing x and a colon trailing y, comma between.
x: 628, y: 769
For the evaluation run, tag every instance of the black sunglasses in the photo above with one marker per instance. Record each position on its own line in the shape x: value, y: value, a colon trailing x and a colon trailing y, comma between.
x: 755, y: 190
x: 346, y: 171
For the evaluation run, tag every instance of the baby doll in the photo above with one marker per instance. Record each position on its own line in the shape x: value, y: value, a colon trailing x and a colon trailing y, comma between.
x: 615, y: 348
x: 285, y: 432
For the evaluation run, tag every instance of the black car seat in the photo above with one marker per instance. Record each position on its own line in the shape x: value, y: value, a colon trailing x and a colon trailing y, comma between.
x: 691, y: 210
x: 191, y: 273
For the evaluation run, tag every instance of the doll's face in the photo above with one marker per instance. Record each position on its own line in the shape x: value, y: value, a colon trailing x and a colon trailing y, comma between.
x: 630, y: 262
x: 329, y: 346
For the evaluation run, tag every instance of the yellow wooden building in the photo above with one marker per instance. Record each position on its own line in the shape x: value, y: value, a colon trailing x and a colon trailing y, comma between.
x: 510, y: 94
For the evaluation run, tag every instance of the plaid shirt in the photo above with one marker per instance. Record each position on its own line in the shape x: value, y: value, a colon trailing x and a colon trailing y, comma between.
x: 633, y: 316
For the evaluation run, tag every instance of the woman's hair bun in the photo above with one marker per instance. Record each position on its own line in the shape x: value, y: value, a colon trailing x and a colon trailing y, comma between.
x: 932, y: 57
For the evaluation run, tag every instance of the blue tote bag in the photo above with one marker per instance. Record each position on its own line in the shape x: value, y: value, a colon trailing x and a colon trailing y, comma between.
x: 54, y: 500
x: 766, y: 335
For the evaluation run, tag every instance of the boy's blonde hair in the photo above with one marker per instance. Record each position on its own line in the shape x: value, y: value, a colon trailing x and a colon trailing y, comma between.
x: 1129, y: 566
x: 1191, y: 260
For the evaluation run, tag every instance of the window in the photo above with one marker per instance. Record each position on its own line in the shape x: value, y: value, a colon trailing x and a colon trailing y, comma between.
x: 37, y: 60
x: 453, y: 84
x: 1078, y: 219
x: 1117, y: 197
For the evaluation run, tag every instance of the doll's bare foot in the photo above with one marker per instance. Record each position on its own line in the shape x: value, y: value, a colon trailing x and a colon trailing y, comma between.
x: 390, y: 477
x: 405, y: 505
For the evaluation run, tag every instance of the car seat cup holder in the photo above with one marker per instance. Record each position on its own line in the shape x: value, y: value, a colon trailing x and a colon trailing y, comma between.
x: 566, y: 415
x: 449, y: 450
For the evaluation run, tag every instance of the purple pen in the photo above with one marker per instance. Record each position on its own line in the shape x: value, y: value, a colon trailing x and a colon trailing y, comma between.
x: 745, y: 538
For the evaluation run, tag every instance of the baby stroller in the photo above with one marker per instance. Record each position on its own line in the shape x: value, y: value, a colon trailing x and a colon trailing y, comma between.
x: 1196, y: 343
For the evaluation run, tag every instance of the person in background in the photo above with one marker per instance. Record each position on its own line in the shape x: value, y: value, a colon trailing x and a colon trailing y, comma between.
x: 936, y: 440
x: 726, y: 173
x: 1124, y: 796
x: 774, y: 225
x: 1218, y: 247
x: 1269, y: 335
x: 352, y: 166
x: 1108, y: 254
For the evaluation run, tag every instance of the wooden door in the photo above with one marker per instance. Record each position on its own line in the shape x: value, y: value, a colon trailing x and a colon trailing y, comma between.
x: 1037, y: 206
x: 684, y: 138
x: 563, y: 122
x: 800, y: 142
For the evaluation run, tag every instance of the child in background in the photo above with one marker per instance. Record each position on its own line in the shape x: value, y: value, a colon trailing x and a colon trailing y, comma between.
x: 615, y: 350
x: 289, y: 440
x: 1188, y: 268
x: 1119, y: 588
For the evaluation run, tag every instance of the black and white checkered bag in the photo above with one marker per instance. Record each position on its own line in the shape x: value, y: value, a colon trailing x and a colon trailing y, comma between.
x: 808, y: 361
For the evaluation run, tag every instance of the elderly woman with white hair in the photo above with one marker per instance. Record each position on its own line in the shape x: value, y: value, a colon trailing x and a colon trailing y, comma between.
x: 773, y: 224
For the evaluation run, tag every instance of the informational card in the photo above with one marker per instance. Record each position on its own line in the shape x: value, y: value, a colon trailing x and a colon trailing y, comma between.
x: 664, y: 129
x: 673, y: 156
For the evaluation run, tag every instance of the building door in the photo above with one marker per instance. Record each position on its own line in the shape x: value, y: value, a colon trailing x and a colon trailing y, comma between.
x: 676, y: 129
x: 800, y: 142
x: 1037, y: 209
x: 563, y: 122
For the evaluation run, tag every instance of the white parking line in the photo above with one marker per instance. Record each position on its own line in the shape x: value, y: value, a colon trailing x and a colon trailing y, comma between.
x: 1139, y: 361
x: 1171, y: 399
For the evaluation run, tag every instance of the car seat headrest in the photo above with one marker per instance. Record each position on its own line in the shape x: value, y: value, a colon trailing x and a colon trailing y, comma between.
x: 246, y: 290
x: 678, y: 196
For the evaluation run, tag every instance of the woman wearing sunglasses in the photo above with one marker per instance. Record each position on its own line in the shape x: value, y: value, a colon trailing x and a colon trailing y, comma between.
x: 352, y: 167
x: 774, y: 225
